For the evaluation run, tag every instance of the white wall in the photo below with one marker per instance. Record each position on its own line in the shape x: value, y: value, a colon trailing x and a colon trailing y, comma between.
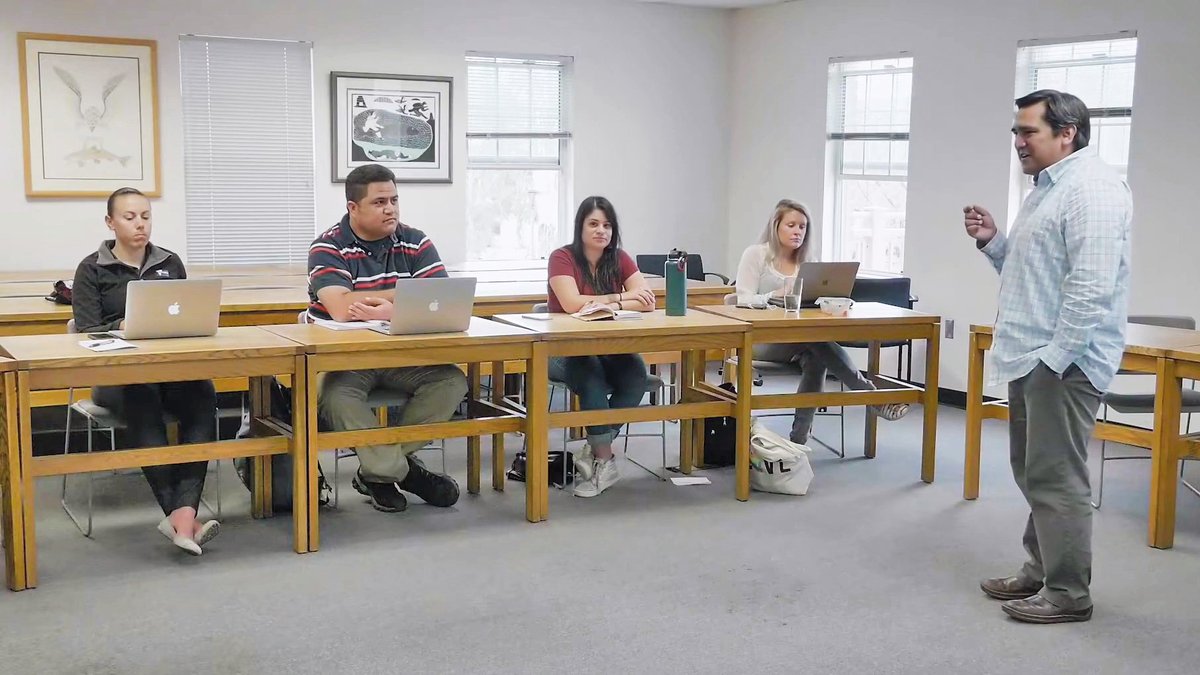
x: 693, y: 121
x: 649, y: 112
x: 964, y: 71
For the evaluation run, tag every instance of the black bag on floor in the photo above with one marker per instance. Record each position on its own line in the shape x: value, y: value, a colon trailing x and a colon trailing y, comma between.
x: 720, y: 437
x: 281, y: 465
x: 558, y: 459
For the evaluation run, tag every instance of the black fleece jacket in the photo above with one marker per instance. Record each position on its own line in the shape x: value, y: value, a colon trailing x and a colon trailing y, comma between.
x: 98, y: 294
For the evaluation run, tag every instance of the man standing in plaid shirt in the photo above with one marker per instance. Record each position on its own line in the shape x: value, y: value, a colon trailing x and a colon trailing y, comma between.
x: 1059, y: 338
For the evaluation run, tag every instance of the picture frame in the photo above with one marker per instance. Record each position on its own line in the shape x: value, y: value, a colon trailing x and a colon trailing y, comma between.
x: 89, y: 115
x: 403, y: 122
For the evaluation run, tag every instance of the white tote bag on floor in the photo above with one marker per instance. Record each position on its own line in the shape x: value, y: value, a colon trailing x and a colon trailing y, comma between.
x: 777, y: 464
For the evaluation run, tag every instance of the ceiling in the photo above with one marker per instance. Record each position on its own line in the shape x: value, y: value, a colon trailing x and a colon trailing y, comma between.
x: 727, y: 4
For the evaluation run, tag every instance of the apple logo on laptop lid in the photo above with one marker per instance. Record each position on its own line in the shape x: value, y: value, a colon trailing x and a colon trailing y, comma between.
x: 173, y: 309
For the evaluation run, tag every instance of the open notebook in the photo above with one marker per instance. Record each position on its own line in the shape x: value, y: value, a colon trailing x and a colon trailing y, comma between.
x: 600, y: 312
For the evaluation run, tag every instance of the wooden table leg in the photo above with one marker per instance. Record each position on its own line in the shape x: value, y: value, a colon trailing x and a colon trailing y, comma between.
x: 474, y: 442
x: 11, y: 485
x: 974, y: 418
x: 28, y: 515
x: 304, y: 412
x: 686, y: 434
x: 870, y: 419
x: 700, y: 371
x: 537, y: 434
x: 742, y: 410
x: 302, y: 463
x: 260, y: 407
x: 929, y: 401
x: 1164, y: 461
x: 498, y: 463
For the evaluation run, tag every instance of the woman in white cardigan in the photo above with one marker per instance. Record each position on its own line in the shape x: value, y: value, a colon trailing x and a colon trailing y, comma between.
x: 764, y: 272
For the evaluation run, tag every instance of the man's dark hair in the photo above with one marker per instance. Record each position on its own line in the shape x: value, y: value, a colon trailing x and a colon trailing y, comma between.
x: 1062, y: 110
x: 360, y: 178
x: 119, y: 192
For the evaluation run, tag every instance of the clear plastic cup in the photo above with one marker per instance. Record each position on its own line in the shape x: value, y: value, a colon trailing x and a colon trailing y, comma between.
x: 791, y: 297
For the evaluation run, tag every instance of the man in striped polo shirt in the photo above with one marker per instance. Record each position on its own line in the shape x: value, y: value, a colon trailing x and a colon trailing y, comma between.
x: 352, y: 272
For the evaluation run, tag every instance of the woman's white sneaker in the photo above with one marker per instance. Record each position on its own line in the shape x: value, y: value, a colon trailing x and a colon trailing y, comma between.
x: 604, y: 475
x: 890, y: 411
x: 583, y: 463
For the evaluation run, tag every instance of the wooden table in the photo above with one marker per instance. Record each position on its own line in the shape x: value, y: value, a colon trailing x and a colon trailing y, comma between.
x: 1183, y: 363
x: 56, y: 362
x: 691, y: 335
x: 485, y: 341
x: 1166, y: 353
x: 243, y: 306
x: 866, y: 322
x: 10, y: 469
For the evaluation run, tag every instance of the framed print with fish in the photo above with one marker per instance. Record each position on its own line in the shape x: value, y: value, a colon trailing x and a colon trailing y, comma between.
x: 399, y: 121
x: 89, y: 115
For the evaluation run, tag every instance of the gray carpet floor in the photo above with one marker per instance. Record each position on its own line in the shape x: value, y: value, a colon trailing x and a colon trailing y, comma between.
x: 872, y: 571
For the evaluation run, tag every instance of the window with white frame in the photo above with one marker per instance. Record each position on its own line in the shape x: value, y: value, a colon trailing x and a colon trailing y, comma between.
x: 1099, y: 70
x: 867, y: 186
x: 248, y: 150
x: 518, y: 156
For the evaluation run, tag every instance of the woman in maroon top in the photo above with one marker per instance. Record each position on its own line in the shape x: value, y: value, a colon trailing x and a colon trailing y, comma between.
x: 593, y: 270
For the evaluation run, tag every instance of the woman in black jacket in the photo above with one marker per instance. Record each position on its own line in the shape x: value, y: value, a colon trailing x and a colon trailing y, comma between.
x: 98, y: 304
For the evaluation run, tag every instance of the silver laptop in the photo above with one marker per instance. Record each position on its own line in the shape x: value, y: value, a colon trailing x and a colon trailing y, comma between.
x: 438, y: 305
x: 171, y: 308
x: 824, y: 279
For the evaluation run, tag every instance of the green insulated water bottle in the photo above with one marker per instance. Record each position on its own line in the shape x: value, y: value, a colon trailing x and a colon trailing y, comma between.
x: 676, y: 274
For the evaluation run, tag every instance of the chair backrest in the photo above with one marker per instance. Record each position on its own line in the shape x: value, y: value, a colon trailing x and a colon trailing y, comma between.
x: 730, y: 299
x: 302, y: 317
x: 1165, y: 320
x: 654, y: 264
x: 895, y: 291
x: 541, y: 307
x: 71, y: 326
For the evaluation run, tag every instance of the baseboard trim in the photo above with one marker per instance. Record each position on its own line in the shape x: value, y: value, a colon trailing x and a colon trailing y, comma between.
x: 957, y: 399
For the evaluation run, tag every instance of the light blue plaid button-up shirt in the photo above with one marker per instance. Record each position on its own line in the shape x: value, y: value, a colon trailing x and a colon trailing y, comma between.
x: 1064, y: 274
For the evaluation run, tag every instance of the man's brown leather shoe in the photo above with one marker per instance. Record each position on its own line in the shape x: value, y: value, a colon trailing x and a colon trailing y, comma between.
x: 1036, y: 609
x: 1009, y: 588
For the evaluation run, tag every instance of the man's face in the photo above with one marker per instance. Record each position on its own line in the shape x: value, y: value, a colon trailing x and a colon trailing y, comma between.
x: 374, y: 216
x: 1036, y: 145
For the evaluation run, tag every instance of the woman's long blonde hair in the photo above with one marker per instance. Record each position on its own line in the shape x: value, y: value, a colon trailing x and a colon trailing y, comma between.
x: 770, y: 235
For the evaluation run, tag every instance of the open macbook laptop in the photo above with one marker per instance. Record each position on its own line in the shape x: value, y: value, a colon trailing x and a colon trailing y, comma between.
x: 438, y: 305
x: 171, y: 308
x: 823, y: 279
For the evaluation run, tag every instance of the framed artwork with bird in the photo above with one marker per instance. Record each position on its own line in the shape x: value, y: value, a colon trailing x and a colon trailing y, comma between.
x: 400, y: 121
x: 89, y: 113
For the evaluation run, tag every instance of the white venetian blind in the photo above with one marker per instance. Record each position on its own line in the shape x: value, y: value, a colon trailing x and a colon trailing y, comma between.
x: 869, y: 99
x: 512, y: 104
x: 1099, y: 71
x: 248, y: 150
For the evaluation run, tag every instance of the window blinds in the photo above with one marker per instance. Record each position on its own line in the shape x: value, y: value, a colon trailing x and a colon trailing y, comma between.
x: 515, y: 98
x: 870, y: 99
x: 1098, y: 71
x: 248, y: 150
